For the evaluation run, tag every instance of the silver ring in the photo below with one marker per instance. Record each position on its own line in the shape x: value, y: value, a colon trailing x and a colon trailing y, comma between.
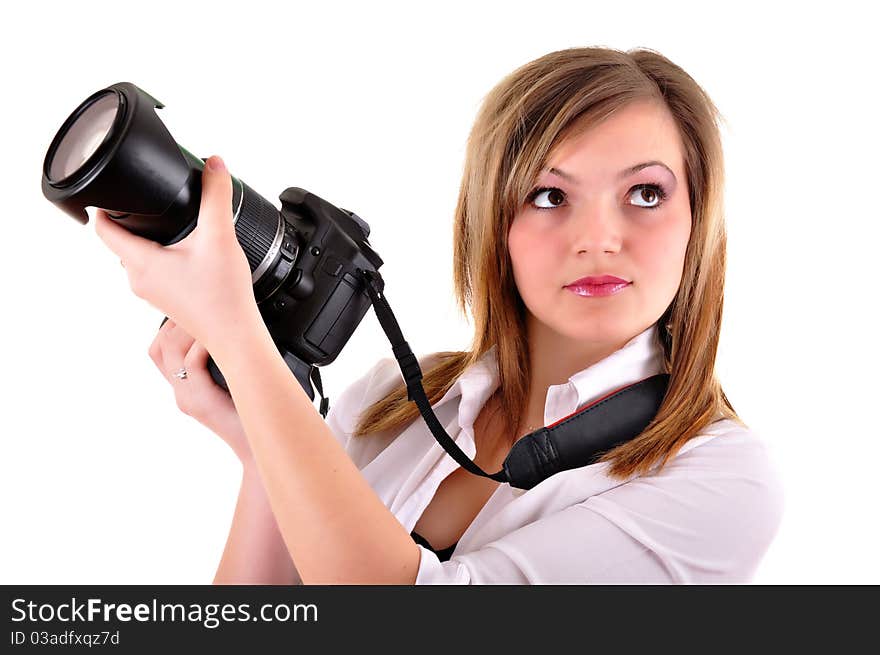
x: 181, y: 373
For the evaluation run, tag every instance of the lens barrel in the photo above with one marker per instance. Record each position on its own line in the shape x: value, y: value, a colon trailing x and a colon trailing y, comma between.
x: 257, y: 227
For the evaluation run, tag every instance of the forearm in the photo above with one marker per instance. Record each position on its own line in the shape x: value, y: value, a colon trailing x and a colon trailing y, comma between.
x: 336, y: 528
x: 255, y: 552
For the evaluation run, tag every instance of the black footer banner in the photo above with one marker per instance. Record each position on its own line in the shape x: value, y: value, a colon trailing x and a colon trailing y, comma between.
x: 265, y: 619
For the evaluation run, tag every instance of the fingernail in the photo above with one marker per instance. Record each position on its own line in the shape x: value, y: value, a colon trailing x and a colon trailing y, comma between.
x: 215, y: 163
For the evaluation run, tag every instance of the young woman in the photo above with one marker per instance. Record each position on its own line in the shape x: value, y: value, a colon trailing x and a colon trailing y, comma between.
x: 590, y: 250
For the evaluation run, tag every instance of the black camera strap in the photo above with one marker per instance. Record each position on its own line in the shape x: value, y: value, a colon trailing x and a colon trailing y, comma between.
x: 315, y: 376
x: 572, y: 442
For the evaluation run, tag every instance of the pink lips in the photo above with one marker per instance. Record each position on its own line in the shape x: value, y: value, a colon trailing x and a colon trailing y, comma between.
x: 600, y: 285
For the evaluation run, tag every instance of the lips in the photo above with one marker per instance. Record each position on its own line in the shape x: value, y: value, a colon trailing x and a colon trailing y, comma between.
x: 594, y: 280
x: 594, y: 286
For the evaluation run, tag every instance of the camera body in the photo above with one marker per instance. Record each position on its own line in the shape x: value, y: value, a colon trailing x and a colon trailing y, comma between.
x: 312, y: 296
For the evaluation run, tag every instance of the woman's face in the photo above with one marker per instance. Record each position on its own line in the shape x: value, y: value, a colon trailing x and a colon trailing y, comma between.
x: 598, y: 219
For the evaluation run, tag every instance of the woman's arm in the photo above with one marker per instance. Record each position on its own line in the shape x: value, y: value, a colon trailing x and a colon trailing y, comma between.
x: 335, y: 527
x: 255, y: 553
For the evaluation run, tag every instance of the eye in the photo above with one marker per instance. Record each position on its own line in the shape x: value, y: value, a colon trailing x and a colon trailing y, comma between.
x: 649, y: 193
x: 554, y: 195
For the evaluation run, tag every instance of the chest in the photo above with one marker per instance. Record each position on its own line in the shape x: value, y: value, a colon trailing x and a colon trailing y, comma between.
x: 458, y: 500
x: 462, y: 495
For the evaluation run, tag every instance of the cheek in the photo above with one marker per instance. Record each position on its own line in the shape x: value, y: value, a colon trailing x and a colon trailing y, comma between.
x: 517, y: 246
x: 662, y: 254
x: 528, y: 253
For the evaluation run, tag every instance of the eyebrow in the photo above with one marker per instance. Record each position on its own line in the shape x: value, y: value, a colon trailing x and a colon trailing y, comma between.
x: 624, y: 173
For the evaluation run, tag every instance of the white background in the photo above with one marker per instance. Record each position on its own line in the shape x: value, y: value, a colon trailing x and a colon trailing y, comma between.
x: 369, y: 105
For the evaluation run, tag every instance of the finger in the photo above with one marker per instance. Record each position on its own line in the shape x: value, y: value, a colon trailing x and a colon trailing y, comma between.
x: 177, y: 341
x: 196, y: 358
x: 196, y: 364
x: 201, y: 397
x: 130, y: 248
x: 215, y: 209
x: 158, y: 353
x: 155, y: 352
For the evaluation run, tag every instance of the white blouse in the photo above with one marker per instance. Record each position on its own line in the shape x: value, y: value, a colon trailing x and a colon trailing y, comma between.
x: 707, y: 517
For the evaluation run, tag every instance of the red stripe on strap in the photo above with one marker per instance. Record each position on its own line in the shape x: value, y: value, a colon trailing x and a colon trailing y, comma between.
x: 594, y: 403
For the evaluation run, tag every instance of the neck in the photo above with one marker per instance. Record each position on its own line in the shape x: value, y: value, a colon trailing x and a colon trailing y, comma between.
x: 553, y: 359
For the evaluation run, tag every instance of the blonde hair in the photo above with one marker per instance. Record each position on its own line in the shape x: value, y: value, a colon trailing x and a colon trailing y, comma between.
x: 520, y: 122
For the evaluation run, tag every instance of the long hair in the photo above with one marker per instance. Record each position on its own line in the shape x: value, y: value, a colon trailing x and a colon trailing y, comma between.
x: 519, y: 123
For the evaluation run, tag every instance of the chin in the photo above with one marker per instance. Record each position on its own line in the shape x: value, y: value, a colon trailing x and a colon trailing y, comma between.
x: 597, y: 329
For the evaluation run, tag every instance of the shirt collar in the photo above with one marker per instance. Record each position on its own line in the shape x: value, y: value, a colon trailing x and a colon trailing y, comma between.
x: 639, y: 358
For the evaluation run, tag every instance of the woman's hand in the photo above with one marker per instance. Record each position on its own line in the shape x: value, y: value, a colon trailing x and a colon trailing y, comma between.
x: 203, y: 282
x: 198, y: 395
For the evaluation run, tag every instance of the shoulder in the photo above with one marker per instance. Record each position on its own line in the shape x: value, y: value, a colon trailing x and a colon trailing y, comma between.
x: 373, y: 385
x: 727, y: 449
x: 711, y: 512
x: 736, y: 462
x: 727, y: 492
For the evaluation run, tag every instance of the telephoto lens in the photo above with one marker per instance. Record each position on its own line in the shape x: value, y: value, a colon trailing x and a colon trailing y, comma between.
x: 307, y: 260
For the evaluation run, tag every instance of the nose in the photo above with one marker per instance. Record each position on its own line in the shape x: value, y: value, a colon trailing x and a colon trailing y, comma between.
x: 596, y: 228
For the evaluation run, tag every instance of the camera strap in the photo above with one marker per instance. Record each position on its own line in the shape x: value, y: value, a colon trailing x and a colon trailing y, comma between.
x: 315, y: 377
x: 572, y: 442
